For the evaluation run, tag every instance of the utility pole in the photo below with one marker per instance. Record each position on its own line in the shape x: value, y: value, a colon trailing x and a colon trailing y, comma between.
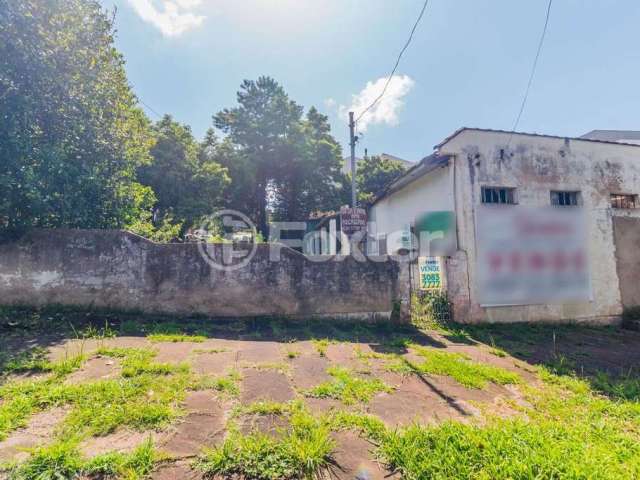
x: 352, y: 142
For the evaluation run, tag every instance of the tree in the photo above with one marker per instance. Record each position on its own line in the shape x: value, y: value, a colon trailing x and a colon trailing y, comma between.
x: 71, y: 136
x: 374, y: 173
x: 187, y: 180
x: 280, y: 162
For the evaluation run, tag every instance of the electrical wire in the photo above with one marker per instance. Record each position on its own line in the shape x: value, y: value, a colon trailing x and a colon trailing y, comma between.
x: 533, y: 69
x: 406, y: 45
x: 149, y: 108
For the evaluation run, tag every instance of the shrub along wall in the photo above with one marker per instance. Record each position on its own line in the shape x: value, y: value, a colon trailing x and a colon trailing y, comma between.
x: 122, y: 271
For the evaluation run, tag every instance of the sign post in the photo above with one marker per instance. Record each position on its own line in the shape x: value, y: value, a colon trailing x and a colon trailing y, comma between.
x: 353, y: 220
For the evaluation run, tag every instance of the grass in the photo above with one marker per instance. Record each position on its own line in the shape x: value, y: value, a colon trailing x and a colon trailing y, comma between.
x: 569, y: 433
x: 321, y: 345
x: 62, y: 460
x: 347, y: 387
x: 303, y: 451
x: 468, y: 373
x: 35, y: 361
x: 146, y: 396
x: 228, y: 384
x: 175, y: 337
x: 291, y: 354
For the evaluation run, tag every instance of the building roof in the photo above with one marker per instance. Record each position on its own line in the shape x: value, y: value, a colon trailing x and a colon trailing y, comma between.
x: 489, y: 130
x: 618, y: 136
x: 431, y: 162
x: 418, y: 170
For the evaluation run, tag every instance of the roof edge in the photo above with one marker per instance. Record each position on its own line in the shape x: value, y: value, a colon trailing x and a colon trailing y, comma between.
x: 490, y: 130
x: 425, y: 166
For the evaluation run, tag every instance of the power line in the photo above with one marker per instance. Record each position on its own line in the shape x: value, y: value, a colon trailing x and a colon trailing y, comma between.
x: 533, y: 69
x: 149, y: 108
x: 406, y: 45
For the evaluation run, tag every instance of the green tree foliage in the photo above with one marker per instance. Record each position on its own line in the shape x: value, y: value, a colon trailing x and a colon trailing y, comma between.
x: 279, y: 159
x: 71, y: 136
x: 374, y: 173
x: 187, y: 180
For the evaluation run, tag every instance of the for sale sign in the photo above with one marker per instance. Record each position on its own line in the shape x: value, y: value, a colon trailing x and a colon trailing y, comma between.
x: 353, y: 220
x: 430, y: 273
x: 532, y: 255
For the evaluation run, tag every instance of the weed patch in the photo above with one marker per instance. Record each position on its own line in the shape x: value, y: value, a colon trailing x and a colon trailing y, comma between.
x: 145, y: 397
x: 303, y: 452
x: 63, y: 461
x: 228, y: 384
x: 347, y: 387
x: 175, y: 337
x: 468, y: 373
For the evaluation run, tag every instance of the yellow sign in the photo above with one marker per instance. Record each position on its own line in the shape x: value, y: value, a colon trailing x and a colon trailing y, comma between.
x: 430, y: 273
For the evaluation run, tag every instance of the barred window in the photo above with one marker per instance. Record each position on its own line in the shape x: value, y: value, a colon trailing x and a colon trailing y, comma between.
x: 565, y: 199
x: 624, y: 200
x: 501, y: 195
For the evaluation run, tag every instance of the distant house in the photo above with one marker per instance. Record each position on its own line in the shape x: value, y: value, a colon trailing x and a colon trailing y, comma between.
x: 543, y: 227
x: 346, y: 164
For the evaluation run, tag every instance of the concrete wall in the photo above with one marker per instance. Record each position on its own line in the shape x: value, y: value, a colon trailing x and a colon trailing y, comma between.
x: 536, y: 165
x: 119, y: 270
x: 627, y: 237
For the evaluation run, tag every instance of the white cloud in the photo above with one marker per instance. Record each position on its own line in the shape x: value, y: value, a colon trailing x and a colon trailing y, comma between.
x: 388, y: 107
x: 330, y: 103
x: 171, y: 17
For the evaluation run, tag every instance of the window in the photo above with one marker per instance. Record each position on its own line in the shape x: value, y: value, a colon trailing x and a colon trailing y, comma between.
x: 565, y: 199
x: 502, y: 195
x: 624, y: 200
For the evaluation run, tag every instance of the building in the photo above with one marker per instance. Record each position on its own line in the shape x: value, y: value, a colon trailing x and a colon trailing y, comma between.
x: 490, y: 180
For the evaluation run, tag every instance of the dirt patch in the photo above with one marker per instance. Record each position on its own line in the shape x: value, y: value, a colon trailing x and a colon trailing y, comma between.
x: 203, y: 426
x: 343, y: 354
x: 38, y: 432
x: 119, y: 441
x: 213, y: 363
x: 98, y: 368
x: 355, y: 460
x: 266, y: 385
x: 173, y: 352
x: 204, y: 402
x: 176, y: 471
x: 417, y: 400
x: 325, y: 405
x: 261, y: 352
x: 309, y: 371
x: 197, y: 430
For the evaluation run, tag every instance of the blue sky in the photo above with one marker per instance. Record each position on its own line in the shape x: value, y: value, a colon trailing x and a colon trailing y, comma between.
x: 467, y: 66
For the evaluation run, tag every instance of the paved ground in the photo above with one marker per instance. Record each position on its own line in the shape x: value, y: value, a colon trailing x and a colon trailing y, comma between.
x: 283, y: 370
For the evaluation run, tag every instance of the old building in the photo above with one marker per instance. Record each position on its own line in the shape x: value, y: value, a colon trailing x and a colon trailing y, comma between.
x: 546, y: 228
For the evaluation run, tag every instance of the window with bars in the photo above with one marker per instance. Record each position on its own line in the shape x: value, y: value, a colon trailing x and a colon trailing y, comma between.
x: 624, y: 200
x: 565, y: 199
x: 499, y: 195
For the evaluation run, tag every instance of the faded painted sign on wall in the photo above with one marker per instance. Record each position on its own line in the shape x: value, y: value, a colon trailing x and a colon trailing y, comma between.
x: 436, y: 232
x: 430, y: 269
x: 532, y: 255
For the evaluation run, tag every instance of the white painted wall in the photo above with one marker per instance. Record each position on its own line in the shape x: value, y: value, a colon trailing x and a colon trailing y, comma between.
x: 431, y: 192
x: 535, y: 166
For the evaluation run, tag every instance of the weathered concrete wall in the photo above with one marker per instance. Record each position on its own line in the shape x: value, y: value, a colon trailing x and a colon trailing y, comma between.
x: 119, y: 270
x: 535, y: 165
x: 626, y: 232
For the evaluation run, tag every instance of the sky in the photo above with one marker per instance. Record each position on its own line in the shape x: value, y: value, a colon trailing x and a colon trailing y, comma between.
x: 468, y: 64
